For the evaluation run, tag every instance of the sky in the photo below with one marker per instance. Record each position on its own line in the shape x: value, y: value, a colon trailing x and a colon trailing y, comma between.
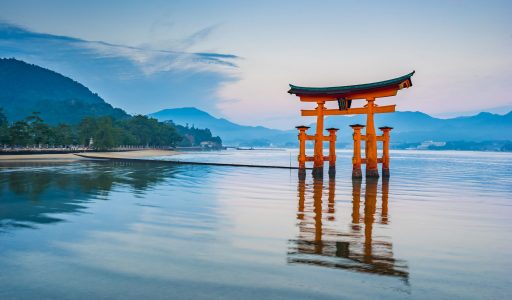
x: 235, y: 59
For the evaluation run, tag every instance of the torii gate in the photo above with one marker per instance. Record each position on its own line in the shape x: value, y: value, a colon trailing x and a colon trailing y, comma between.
x: 344, y: 96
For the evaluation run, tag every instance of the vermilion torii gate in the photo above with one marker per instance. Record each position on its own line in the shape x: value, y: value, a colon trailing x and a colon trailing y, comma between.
x: 344, y: 96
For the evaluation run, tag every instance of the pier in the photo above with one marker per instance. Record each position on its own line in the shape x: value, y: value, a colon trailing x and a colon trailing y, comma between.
x: 182, y: 162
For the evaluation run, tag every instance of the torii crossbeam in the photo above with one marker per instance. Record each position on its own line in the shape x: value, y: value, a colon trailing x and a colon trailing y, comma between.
x: 344, y: 95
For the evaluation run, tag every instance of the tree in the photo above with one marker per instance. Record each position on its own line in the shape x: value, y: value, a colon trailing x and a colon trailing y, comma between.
x: 105, y: 132
x: 4, y: 128
x: 63, y: 134
x: 104, y: 137
x: 139, y: 127
x: 19, y: 133
x: 148, y: 131
x: 194, y: 136
x: 39, y: 130
x: 3, y: 118
x: 124, y: 137
x: 86, y: 130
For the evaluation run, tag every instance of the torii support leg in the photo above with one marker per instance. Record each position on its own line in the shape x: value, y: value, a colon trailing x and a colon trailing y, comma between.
x: 332, y: 151
x: 356, y: 159
x: 371, y: 142
x: 302, y: 150
x: 385, y: 150
x: 318, y: 163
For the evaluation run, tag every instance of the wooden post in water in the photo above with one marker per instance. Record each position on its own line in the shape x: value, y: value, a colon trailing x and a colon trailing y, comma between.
x: 356, y: 159
x: 385, y: 150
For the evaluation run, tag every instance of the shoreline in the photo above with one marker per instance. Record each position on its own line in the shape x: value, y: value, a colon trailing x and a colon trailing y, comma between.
x: 70, y: 157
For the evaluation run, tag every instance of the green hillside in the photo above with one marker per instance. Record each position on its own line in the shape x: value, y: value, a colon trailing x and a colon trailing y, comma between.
x: 26, y: 88
x: 42, y: 107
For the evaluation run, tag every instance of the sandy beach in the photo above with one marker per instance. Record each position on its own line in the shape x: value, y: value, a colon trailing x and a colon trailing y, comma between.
x: 66, y: 157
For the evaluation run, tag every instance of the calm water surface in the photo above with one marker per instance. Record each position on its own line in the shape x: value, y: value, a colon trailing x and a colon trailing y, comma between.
x: 439, y: 228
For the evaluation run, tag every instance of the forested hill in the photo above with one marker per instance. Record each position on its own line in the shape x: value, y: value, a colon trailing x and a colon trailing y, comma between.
x: 27, y: 88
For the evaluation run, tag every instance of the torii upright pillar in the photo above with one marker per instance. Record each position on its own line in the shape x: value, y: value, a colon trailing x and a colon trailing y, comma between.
x: 372, y: 169
x: 318, y: 162
x: 356, y: 159
x: 302, y: 150
x: 385, y: 150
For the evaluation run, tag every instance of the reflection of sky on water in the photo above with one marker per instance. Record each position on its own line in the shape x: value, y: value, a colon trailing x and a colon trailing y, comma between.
x: 159, y: 231
x: 34, y: 193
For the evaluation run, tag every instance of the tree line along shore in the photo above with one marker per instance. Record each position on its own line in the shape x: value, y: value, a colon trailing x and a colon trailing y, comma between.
x: 99, y: 133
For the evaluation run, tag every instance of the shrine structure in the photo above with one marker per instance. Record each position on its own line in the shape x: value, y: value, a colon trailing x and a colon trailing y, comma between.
x: 344, y: 96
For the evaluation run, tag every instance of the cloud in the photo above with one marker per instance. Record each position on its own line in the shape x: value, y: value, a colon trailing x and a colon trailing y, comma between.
x: 140, y: 79
x: 199, y: 35
x: 149, y: 60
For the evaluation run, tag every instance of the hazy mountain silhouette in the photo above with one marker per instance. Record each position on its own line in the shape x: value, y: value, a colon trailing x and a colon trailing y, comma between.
x: 409, y: 127
x: 231, y: 133
x: 25, y: 88
x: 417, y: 126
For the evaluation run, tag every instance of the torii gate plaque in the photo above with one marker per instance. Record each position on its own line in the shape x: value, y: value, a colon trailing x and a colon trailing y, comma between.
x: 344, y: 96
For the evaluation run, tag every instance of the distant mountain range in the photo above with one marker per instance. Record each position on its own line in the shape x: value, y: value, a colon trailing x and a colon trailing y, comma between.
x: 26, y: 88
x: 231, y: 133
x: 410, y: 127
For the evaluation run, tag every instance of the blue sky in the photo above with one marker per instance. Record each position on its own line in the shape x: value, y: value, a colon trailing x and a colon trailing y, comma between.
x: 236, y: 58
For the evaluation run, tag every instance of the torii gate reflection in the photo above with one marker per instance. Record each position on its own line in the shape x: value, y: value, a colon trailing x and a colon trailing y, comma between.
x: 318, y: 242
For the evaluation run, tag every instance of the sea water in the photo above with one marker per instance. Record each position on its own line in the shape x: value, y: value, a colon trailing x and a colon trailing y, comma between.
x: 438, y: 228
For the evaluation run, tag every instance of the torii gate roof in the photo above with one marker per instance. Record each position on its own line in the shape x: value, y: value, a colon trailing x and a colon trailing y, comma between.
x: 351, y: 90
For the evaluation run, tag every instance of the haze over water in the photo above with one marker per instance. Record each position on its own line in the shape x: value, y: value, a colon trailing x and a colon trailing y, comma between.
x: 439, y: 228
